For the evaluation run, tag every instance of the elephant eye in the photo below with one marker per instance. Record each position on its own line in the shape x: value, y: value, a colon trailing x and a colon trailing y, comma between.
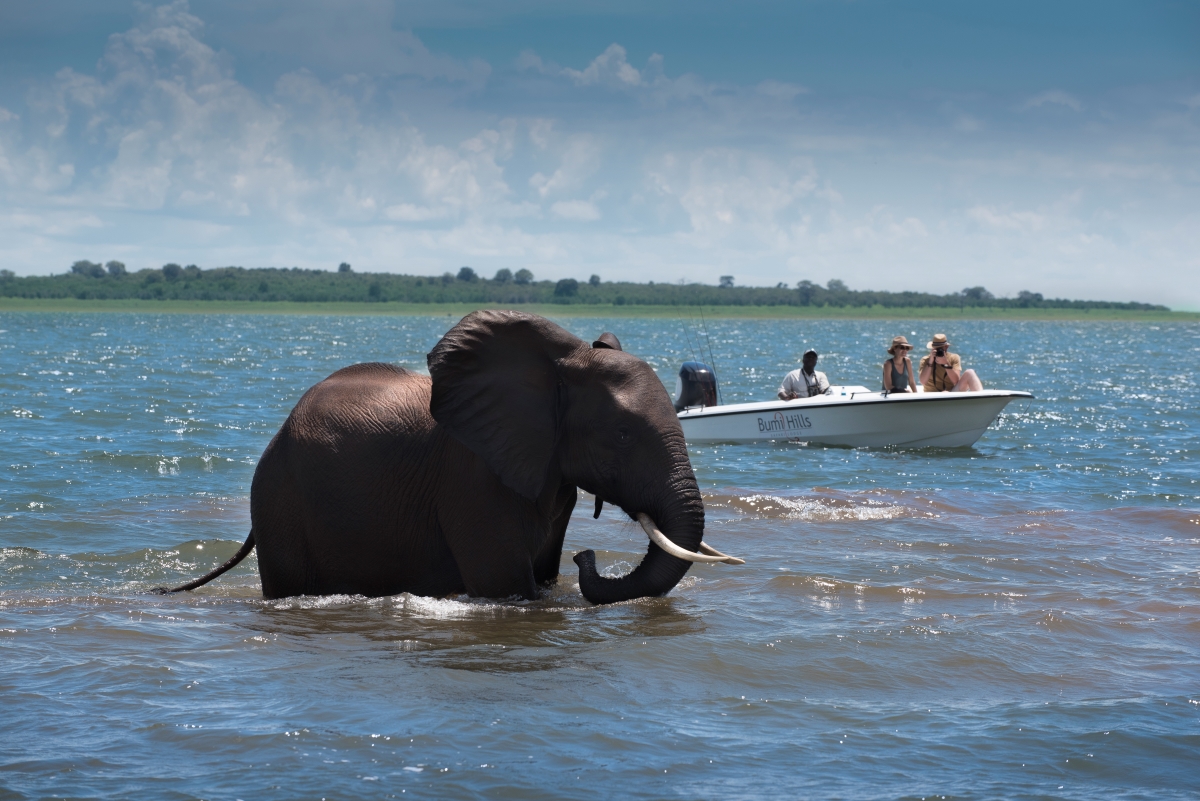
x: 624, y: 435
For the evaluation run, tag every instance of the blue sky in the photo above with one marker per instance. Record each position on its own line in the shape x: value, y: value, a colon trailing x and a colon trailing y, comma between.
x: 918, y: 145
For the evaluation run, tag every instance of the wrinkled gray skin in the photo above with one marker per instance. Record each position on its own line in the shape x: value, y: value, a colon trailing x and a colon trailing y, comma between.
x: 385, y: 481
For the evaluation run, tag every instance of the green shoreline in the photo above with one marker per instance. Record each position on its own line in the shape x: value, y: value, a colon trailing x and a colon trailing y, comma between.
x: 581, y: 310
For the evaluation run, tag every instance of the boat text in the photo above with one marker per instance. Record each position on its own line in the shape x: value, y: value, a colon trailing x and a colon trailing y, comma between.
x: 783, y: 422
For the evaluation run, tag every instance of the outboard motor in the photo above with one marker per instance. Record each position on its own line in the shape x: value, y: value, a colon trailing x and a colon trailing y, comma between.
x: 697, y: 386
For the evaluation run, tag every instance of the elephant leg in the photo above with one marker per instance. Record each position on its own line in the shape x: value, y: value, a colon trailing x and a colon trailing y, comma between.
x: 492, y: 532
x: 490, y: 565
x: 545, y: 564
x: 280, y: 515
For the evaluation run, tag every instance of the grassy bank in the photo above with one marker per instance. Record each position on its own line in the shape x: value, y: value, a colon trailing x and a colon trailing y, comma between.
x: 577, y: 310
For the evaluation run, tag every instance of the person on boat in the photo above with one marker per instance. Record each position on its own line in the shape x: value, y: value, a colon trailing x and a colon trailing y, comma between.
x: 806, y: 381
x: 941, y: 370
x: 898, y: 370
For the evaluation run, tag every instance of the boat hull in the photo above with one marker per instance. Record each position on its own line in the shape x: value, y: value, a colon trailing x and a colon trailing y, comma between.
x: 870, y: 420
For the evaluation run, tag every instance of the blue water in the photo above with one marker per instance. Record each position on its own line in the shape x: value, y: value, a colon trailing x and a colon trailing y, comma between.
x: 1018, y: 619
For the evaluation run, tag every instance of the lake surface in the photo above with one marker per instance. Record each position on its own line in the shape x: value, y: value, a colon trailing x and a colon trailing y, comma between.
x: 1020, y: 619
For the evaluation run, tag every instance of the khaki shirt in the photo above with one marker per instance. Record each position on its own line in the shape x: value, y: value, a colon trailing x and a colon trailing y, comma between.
x: 938, y: 381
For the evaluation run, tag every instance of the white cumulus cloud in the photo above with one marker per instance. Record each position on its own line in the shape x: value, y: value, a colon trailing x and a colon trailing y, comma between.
x: 610, y: 68
x: 579, y: 160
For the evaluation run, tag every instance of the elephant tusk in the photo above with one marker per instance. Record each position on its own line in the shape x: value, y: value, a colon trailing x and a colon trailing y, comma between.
x: 660, y: 539
x: 711, y: 551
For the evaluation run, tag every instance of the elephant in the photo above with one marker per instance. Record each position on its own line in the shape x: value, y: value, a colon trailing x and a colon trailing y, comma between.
x: 383, y: 480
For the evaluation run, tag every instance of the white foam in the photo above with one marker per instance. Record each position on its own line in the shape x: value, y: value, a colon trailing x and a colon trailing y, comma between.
x: 320, y: 601
x: 449, y: 608
x: 823, y: 509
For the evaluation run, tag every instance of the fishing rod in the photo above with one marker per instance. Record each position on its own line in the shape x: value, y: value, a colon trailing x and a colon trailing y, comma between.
x: 712, y: 359
x: 688, y: 336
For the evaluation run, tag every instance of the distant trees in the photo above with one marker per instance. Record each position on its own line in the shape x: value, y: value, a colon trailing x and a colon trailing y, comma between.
x: 594, y: 281
x: 89, y: 268
x: 117, y: 269
x: 806, y: 290
x: 87, y: 279
x: 467, y: 274
x: 344, y: 267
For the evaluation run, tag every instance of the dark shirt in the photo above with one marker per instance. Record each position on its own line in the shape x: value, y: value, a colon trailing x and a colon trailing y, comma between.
x: 899, y: 377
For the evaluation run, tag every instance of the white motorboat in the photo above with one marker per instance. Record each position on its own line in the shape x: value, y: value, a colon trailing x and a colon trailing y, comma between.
x: 846, y: 415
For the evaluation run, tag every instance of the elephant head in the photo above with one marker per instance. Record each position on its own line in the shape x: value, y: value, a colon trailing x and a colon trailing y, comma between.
x: 542, y: 408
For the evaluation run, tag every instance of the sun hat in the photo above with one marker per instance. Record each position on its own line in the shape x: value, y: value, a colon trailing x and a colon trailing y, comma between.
x: 896, y: 342
x: 938, y: 341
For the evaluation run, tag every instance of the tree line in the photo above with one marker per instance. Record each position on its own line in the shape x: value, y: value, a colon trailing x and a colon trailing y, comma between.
x: 111, y: 280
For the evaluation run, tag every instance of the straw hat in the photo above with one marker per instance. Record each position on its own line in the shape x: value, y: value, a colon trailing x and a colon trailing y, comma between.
x: 896, y: 342
x: 938, y: 341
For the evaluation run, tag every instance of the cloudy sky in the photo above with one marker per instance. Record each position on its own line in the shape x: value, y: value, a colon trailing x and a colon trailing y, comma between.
x: 923, y: 145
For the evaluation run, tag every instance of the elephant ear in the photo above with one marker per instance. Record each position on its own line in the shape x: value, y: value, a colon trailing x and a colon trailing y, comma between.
x: 496, y: 389
x: 607, y: 340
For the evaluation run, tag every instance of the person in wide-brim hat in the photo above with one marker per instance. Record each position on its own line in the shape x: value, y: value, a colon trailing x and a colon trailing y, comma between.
x: 898, y: 370
x: 941, y: 370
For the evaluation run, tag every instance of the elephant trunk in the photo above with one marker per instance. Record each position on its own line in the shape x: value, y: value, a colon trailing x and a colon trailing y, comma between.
x: 683, y: 524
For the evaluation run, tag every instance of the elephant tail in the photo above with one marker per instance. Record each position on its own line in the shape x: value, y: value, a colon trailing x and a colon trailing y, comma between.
x: 242, y: 553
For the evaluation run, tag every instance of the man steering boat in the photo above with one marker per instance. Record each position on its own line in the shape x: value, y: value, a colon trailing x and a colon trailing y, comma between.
x: 806, y: 381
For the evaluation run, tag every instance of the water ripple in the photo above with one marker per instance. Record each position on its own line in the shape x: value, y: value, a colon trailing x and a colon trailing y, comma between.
x: 1017, y: 619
